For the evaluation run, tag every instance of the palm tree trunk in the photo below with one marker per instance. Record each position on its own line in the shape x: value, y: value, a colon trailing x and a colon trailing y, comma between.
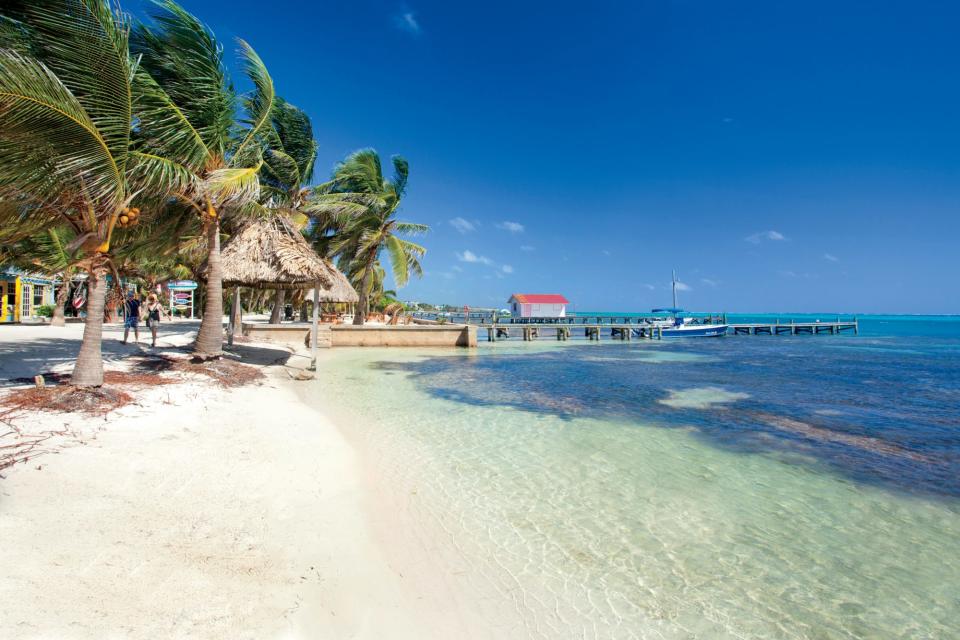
x: 88, y: 371
x: 209, y: 342
x: 276, y: 316
x: 361, y: 315
x: 60, y: 301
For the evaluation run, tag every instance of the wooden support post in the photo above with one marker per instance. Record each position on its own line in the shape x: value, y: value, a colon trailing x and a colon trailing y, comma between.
x: 231, y: 326
x: 316, y: 326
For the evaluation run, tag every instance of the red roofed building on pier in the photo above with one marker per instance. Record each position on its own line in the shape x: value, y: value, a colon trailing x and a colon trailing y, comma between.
x: 538, y: 305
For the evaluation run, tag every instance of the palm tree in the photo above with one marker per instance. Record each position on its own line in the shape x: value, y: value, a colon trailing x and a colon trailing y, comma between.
x: 66, y: 108
x: 289, y: 154
x: 290, y: 151
x: 203, y: 138
x: 362, y: 237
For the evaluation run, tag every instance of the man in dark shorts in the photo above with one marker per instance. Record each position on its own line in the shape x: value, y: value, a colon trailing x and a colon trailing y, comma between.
x: 132, y: 317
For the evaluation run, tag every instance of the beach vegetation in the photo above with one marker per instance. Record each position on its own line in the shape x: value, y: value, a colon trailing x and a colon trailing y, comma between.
x: 361, y: 238
x: 212, y: 138
x: 126, y: 152
x: 67, y: 94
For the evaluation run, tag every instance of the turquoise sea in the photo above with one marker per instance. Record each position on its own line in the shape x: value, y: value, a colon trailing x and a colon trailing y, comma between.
x: 739, y: 487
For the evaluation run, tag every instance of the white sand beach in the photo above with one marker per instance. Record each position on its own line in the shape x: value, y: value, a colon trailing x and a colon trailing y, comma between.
x: 198, y: 512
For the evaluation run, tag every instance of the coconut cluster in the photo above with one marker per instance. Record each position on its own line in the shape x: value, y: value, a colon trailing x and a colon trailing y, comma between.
x: 129, y: 217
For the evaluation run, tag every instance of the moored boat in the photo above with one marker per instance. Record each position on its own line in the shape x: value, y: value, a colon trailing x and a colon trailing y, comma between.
x: 680, y: 327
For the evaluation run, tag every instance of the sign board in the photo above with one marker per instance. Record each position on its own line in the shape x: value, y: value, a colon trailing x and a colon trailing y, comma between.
x: 182, y: 285
x: 181, y: 295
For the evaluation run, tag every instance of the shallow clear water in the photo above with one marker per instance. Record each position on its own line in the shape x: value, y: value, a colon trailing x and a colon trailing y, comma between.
x: 757, y: 487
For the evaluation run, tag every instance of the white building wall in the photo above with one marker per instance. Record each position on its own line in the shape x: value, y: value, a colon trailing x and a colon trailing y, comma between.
x: 529, y: 310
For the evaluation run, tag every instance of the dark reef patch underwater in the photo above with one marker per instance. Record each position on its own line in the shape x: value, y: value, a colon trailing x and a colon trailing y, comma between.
x: 880, y: 409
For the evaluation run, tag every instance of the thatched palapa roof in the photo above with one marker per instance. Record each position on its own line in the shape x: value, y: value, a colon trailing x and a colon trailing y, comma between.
x: 271, y: 253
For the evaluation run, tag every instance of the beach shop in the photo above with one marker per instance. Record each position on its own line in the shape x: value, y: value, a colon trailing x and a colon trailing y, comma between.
x: 22, y: 294
x: 538, y: 305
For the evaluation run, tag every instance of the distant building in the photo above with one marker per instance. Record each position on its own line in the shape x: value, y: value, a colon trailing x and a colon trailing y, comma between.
x: 538, y: 305
x: 22, y: 294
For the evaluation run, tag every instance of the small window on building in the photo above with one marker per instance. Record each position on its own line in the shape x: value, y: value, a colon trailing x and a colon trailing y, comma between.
x: 38, y: 291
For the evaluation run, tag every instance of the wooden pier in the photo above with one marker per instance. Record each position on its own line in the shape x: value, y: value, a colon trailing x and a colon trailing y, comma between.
x: 530, y: 330
x: 794, y: 328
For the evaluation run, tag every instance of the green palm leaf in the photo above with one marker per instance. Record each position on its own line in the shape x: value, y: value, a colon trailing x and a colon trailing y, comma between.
x: 86, y: 46
x: 48, y: 142
x: 259, y: 107
x: 184, y: 58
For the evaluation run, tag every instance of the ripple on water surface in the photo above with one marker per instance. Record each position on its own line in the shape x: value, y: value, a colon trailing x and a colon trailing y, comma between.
x: 610, y: 495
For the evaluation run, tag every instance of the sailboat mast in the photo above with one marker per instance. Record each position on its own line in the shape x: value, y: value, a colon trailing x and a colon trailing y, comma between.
x: 674, y: 288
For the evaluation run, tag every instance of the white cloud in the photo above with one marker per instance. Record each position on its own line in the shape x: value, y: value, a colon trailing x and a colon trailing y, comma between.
x: 470, y: 256
x: 683, y: 287
x: 512, y: 227
x: 526, y: 247
x: 831, y: 257
x: 507, y: 268
x: 456, y: 268
x: 462, y: 225
x: 647, y: 286
x: 709, y: 282
x: 788, y: 274
x: 407, y: 21
x: 605, y: 252
x: 760, y: 236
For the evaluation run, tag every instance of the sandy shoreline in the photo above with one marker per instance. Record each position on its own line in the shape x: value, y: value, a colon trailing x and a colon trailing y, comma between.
x: 199, y: 512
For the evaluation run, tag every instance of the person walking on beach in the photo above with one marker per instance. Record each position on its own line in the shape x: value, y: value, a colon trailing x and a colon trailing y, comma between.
x: 154, y: 311
x: 132, y: 319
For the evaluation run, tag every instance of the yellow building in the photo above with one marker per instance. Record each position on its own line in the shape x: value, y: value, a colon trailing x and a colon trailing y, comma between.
x: 21, y: 294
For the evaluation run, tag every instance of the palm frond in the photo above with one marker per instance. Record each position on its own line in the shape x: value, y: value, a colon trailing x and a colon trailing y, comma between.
x: 156, y: 178
x: 85, y: 44
x: 259, y: 106
x: 401, y: 173
x: 411, y: 228
x: 398, y: 260
x: 233, y: 186
x: 184, y: 58
x: 48, y: 142
x: 294, y: 133
x: 163, y: 128
x: 281, y: 168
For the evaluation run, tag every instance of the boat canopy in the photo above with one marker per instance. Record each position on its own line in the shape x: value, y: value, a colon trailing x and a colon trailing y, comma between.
x: 667, y: 310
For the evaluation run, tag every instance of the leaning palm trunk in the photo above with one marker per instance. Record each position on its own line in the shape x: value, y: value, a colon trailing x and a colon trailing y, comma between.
x: 88, y: 370
x: 59, y: 317
x: 276, y: 316
x: 209, y: 342
x: 362, y: 305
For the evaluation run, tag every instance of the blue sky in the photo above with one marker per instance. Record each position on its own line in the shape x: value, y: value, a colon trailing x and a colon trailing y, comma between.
x: 783, y: 156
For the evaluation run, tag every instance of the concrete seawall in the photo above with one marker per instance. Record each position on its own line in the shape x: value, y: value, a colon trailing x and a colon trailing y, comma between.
x: 296, y: 335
